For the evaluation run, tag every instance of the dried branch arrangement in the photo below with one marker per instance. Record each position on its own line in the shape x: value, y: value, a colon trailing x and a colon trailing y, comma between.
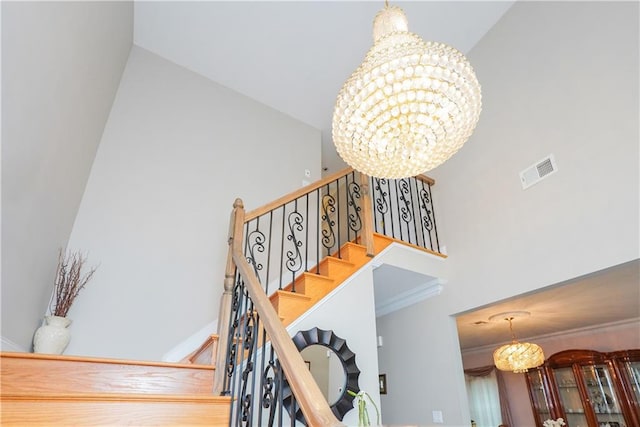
x: 69, y: 281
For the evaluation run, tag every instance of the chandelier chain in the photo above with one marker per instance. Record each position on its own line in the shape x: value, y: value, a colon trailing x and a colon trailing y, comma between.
x: 513, y: 334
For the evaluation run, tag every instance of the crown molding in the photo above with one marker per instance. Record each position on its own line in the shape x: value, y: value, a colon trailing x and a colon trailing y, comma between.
x: 410, y: 297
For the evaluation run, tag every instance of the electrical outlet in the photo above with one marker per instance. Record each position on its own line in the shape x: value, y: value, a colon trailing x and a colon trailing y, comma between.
x: 437, y: 417
x: 307, y: 173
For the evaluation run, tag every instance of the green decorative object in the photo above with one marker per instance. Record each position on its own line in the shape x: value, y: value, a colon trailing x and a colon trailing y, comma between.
x: 363, y: 413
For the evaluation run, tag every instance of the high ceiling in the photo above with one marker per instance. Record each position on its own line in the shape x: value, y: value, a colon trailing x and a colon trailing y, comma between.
x: 295, y: 56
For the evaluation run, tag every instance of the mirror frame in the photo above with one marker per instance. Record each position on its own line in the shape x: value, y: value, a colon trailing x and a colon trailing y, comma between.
x: 317, y: 336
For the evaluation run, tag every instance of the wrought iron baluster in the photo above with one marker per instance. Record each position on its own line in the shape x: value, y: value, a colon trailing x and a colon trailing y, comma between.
x: 255, y: 245
x: 271, y: 391
x: 306, y: 238
x: 381, y: 203
x: 418, y: 217
x: 238, y: 354
x: 328, y: 208
x: 232, y: 343
x: 425, y: 203
x: 406, y: 213
x: 280, y: 386
x: 284, y: 211
x: 354, y: 196
x: 264, y: 386
x: 435, y: 228
x: 294, y: 257
x: 415, y: 211
x: 266, y: 281
x: 318, y: 224
x: 339, y: 242
x: 391, y: 209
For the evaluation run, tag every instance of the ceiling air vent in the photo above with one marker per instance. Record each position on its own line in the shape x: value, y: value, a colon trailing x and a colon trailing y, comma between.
x: 538, y: 171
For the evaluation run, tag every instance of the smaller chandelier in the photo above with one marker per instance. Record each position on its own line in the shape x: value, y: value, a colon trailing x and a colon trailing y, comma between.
x: 517, y: 357
x: 409, y: 107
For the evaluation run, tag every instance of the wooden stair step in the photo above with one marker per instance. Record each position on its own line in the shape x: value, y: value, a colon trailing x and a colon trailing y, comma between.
x: 380, y: 242
x: 336, y: 268
x: 316, y: 286
x: 354, y: 253
x: 82, y: 409
x: 40, y: 373
x: 205, y: 354
x: 53, y: 390
x: 290, y: 305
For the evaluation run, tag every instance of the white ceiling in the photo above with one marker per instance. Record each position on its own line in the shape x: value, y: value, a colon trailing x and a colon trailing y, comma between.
x: 294, y: 56
x: 605, y: 297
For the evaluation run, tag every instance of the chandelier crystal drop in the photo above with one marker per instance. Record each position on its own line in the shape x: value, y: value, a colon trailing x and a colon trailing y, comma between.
x: 410, y: 105
x: 518, y: 357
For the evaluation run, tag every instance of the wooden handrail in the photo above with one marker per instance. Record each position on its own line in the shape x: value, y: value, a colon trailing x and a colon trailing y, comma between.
x: 426, y: 179
x: 308, y: 189
x: 305, y: 389
x: 295, y: 194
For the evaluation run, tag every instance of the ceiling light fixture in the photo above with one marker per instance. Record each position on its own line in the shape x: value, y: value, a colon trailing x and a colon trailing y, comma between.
x: 517, y: 357
x: 409, y: 106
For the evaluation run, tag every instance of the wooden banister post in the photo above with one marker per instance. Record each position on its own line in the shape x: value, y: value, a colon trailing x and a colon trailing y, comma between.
x: 367, y: 215
x: 235, y: 242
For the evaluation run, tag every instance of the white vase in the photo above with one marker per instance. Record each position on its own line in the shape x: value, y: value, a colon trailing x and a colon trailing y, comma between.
x: 52, y: 337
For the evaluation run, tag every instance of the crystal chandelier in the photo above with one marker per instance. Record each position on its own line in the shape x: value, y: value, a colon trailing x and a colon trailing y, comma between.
x: 517, y: 357
x: 408, y: 107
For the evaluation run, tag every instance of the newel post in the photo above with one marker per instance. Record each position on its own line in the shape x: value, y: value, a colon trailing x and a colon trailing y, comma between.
x: 367, y: 215
x: 235, y: 241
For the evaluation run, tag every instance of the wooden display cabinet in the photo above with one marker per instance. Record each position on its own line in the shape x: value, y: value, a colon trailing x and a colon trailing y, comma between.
x: 627, y: 366
x: 587, y: 388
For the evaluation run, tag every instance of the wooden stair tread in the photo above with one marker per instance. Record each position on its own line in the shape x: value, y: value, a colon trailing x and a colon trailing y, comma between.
x: 116, y: 397
x: 52, y: 390
x: 88, y: 412
x: 26, y: 372
x: 100, y: 360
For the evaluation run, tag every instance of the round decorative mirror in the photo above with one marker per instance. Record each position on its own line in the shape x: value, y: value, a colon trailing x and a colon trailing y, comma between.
x: 327, y: 370
x: 333, y: 366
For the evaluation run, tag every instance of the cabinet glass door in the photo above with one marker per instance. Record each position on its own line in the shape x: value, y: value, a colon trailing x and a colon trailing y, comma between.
x: 570, y: 398
x: 633, y: 373
x: 539, y: 396
x: 602, y: 396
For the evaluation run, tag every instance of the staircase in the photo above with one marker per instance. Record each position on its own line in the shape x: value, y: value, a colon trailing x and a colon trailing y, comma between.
x: 50, y: 390
x: 63, y: 390
x: 297, y: 298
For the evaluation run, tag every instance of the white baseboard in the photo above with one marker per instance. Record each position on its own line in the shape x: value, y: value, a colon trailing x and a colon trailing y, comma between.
x: 8, y: 345
x: 183, y: 349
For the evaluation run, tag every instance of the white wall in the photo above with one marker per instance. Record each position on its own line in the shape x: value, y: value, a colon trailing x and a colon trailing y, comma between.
x: 176, y: 151
x: 407, y: 346
x: 557, y: 78
x: 61, y: 64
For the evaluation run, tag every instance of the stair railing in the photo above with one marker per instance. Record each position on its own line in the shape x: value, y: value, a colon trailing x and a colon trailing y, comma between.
x: 269, y: 249
x: 403, y: 209
x: 293, y: 234
x: 250, y: 371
